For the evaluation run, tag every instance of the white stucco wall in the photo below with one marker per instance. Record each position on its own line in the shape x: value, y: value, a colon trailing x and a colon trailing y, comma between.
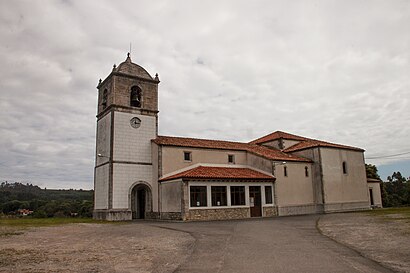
x: 296, y: 188
x: 339, y: 187
x: 125, y: 175
x: 173, y: 157
x: 103, y: 139
x: 132, y: 144
x: 377, y: 198
x: 171, y: 193
x: 131, y: 148
x: 101, y: 176
x: 101, y: 187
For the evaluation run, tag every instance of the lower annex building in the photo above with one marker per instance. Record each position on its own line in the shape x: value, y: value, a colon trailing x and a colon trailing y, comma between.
x: 139, y: 174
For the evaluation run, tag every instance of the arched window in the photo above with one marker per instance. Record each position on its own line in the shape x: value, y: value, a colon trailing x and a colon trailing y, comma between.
x: 135, y: 96
x: 104, y: 99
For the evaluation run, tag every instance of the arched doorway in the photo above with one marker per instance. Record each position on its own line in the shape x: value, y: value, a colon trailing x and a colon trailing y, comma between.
x: 141, y: 201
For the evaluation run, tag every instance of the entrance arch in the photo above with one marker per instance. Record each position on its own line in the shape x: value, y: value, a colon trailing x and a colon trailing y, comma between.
x: 141, y: 200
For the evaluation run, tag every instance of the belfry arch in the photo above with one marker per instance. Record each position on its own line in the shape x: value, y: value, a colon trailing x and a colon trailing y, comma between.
x: 140, y: 200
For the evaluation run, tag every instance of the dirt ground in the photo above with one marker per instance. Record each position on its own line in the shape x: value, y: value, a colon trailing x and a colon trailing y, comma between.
x: 93, y: 248
x: 384, y: 241
x: 147, y: 247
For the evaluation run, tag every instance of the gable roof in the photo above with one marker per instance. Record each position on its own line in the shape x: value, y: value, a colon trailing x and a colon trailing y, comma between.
x: 312, y: 143
x: 205, y: 172
x: 267, y: 152
x: 305, y: 143
x: 277, y: 135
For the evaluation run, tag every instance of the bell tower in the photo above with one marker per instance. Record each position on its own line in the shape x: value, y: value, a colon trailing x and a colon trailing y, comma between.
x: 127, y: 120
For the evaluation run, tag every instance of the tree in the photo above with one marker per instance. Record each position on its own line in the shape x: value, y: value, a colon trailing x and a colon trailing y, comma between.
x: 397, y: 190
x: 371, y: 171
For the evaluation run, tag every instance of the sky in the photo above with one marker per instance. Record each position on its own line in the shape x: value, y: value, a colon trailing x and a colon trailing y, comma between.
x: 231, y: 70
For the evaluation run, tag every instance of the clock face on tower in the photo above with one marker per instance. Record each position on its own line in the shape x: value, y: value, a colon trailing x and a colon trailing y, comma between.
x: 135, y: 122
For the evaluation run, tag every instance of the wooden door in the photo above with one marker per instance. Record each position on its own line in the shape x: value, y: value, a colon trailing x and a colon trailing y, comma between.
x: 255, y: 201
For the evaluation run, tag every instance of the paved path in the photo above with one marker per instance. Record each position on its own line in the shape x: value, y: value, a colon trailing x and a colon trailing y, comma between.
x: 286, y: 244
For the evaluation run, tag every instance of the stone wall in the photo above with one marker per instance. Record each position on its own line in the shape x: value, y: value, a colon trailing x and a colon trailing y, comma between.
x: 217, y: 214
x: 171, y: 216
x: 113, y: 215
x: 152, y: 215
x: 297, y: 210
x: 347, y: 206
x: 149, y: 90
x: 270, y: 212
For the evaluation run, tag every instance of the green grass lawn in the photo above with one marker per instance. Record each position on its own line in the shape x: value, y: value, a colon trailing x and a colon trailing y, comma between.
x: 393, y: 214
x: 17, y: 226
x: 43, y: 222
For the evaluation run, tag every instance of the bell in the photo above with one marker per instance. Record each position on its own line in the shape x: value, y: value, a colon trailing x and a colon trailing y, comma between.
x: 135, y: 98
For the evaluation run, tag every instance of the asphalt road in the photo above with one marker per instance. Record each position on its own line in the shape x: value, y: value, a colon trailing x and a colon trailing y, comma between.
x: 285, y: 244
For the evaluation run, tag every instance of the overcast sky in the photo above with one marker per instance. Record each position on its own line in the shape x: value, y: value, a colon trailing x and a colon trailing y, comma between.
x: 232, y: 70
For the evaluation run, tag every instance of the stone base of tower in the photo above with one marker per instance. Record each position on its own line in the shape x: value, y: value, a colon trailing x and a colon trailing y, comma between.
x: 112, y: 215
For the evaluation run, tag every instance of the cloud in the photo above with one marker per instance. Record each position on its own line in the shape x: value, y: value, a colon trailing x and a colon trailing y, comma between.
x: 333, y: 70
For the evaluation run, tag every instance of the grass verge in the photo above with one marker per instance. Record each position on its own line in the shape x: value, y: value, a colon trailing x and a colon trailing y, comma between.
x: 402, y: 213
x: 44, y: 222
x: 17, y: 226
x: 398, y: 215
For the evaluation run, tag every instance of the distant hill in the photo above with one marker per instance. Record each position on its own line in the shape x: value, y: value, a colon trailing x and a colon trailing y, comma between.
x: 16, y: 196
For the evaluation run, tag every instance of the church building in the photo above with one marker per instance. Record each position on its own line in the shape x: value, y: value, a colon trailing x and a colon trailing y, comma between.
x: 140, y: 174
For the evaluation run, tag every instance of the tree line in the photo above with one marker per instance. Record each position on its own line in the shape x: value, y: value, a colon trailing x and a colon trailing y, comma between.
x: 395, y: 191
x: 18, y: 198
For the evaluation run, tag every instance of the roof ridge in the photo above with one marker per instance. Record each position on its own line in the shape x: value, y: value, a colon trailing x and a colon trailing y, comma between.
x: 206, y: 139
x: 277, y: 135
x: 317, y: 143
x: 259, y: 150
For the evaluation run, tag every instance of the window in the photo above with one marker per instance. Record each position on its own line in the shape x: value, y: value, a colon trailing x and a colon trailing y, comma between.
x: 285, y: 171
x: 268, y: 194
x: 231, y: 159
x: 237, y: 195
x: 344, y: 166
x: 306, y: 171
x: 104, y: 99
x: 198, y: 196
x: 187, y: 156
x: 218, y: 194
x: 135, y: 96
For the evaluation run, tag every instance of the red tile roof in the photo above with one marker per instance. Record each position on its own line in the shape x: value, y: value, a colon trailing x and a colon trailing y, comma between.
x: 269, y: 153
x: 199, y: 143
x: 305, y: 142
x: 277, y: 135
x: 205, y: 172
x: 374, y: 180
x: 311, y: 143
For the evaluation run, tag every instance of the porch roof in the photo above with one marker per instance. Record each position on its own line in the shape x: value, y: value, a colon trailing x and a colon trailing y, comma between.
x: 207, y: 172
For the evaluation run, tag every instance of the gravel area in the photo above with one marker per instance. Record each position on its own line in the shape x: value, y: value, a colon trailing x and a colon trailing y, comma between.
x: 384, y: 241
x: 130, y: 247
